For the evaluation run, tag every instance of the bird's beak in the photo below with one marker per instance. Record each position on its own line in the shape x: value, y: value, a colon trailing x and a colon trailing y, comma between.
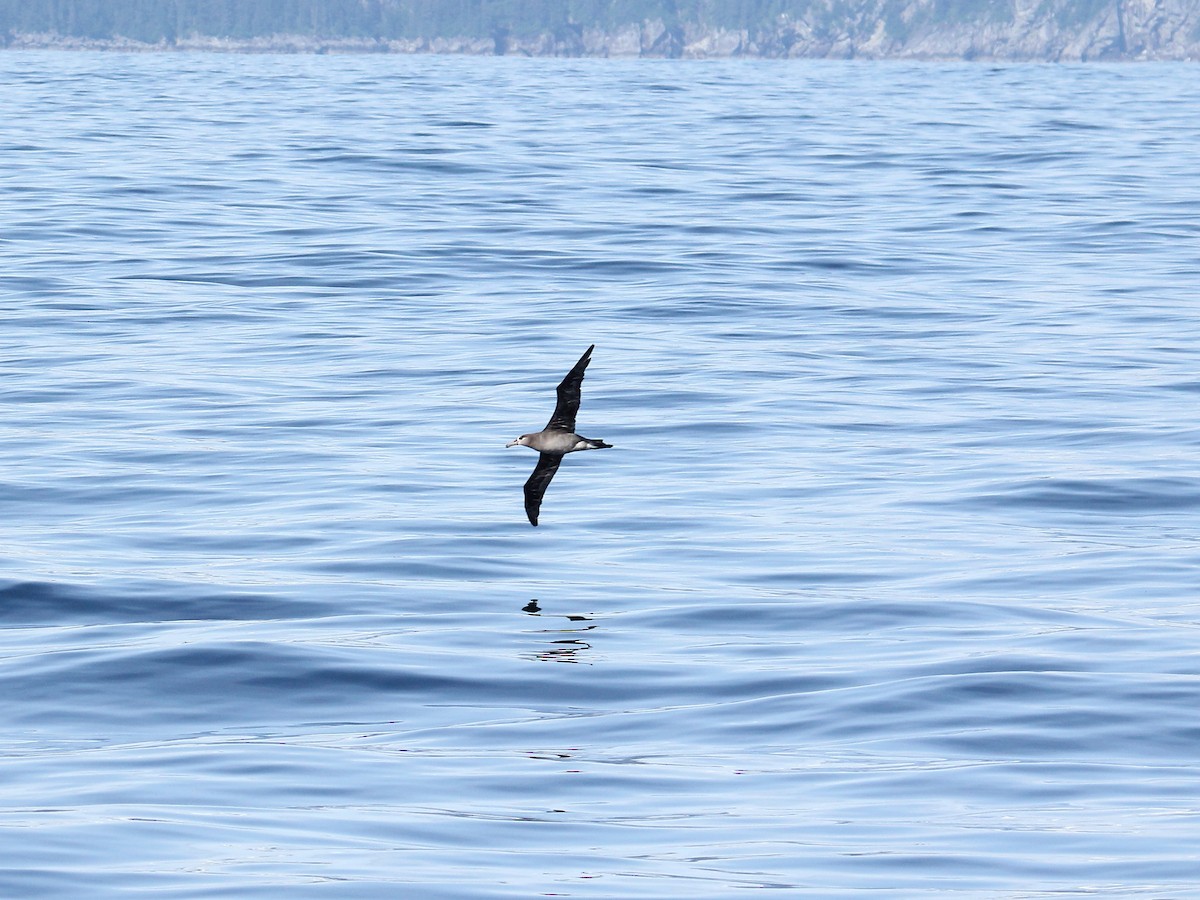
x: 512, y: 443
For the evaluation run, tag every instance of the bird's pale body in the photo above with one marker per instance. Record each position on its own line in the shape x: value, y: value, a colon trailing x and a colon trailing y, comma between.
x: 556, y: 442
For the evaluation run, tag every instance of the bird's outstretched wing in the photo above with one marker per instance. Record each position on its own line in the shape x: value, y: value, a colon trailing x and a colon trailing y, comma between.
x: 536, y: 486
x: 568, y: 395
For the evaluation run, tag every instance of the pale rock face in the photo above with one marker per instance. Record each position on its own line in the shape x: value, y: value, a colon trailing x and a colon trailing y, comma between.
x: 1051, y: 30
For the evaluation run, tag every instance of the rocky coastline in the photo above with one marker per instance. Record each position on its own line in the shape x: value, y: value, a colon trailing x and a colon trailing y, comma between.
x: 1052, y: 31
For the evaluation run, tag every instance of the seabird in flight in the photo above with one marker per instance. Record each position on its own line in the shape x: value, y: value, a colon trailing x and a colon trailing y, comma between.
x: 557, y: 439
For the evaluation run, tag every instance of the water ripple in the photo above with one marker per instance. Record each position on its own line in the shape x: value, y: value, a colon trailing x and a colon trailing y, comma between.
x: 888, y: 584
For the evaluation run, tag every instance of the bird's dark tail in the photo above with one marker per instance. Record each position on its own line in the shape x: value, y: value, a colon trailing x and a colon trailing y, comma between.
x: 598, y: 444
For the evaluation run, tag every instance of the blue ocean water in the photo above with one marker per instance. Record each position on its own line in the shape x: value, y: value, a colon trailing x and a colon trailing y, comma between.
x: 887, y: 588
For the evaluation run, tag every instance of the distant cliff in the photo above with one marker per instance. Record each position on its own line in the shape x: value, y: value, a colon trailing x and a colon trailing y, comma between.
x: 1054, y: 30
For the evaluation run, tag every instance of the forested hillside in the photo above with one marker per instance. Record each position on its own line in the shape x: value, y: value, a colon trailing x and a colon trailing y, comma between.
x: 986, y: 29
x: 155, y: 20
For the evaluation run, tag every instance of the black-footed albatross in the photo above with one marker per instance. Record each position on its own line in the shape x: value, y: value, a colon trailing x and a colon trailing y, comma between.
x: 557, y: 439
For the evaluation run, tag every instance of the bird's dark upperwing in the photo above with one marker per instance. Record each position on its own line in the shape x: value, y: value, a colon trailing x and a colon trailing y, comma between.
x: 536, y: 486
x: 568, y: 395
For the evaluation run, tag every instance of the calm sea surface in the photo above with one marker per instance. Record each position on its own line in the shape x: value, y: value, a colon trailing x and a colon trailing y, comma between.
x: 888, y: 588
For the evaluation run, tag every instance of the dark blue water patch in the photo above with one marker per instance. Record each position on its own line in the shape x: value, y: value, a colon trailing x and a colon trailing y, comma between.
x: 35, y: 285
x: 251, y: 279
x: 34, y: 395
x: 330, y: 259
x: 1099, y: 435
x: 418, y: 163
x: 1033, y: 712
x: 1056, y: 124
x: 463, y: 123
x: 141, y: 190
x: 653, y: 190
x: 699, y: 308
x: 1025, y: 158
x: 771, y: 196
x: 204, y: 683
x: 829, y: 263
x: 808, y: 615
x: 40, y: 603
x: 133, y: 678
x: 60, y: 499
x: 1118, y: 496
x: 1064, y: 716
x: 399, y: 561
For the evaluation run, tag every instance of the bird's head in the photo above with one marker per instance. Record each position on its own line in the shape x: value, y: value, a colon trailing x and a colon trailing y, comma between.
x: 522, y: 441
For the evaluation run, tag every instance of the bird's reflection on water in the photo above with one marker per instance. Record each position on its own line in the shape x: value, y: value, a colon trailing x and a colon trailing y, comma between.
x: 561, y: 649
